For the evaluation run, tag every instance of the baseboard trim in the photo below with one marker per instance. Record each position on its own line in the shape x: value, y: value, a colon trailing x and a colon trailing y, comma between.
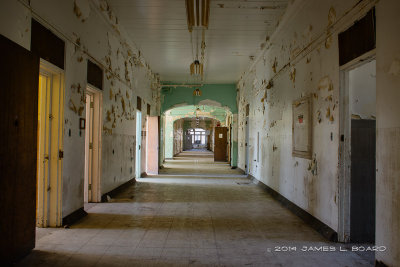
x: 380, y: 264
x: 74, y: 217
x: 244, y: 172
x: 319, y: 226
x: 118, y: 190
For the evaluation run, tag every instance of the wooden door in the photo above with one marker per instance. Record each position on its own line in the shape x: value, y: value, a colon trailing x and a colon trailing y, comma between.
x: 220, y: 143
x: 19, y: 79
x: 363, y: 184
x: 152, y: 145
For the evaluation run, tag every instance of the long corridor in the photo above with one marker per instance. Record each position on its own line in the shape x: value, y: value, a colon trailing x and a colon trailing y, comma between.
x: 196, y: 212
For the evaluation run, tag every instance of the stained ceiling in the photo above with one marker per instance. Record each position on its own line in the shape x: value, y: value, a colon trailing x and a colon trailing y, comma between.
x: 237, y: 29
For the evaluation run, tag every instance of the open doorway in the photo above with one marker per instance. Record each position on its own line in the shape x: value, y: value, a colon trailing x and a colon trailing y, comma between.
x: 357, y: 151
x: 138, y: 164
x: 92, y: 145
x: 50, y: 145
x: 152, y: 146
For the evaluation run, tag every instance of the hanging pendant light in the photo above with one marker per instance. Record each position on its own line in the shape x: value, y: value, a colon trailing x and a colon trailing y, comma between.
x: 196, y: 68
x: 197, y: 92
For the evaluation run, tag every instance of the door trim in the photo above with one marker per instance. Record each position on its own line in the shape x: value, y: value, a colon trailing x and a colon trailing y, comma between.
x: 52, y: 204
x: 97, y: 141
x: 345, y: 145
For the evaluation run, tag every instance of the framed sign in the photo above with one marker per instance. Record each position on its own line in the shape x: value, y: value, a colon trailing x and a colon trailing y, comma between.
x: 302, y: 128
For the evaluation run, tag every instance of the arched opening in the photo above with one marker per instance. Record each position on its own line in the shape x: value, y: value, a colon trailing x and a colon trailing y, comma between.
x: 193, y: 127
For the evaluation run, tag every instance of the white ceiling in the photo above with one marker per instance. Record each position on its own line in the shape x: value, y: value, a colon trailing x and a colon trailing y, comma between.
x: 237, y: 28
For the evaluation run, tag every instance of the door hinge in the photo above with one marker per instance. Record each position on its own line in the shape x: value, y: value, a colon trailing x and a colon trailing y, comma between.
x: 51, y: 116
x: 60, y: 154
x: 90, y: 145
x: 90, y: 187
x: 46, y: 157
x: 91, y: 104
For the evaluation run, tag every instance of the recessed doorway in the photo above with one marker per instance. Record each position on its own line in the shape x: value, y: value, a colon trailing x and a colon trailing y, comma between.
x: 92, y: 145
x: 357, y: 151
x: 50, y: 145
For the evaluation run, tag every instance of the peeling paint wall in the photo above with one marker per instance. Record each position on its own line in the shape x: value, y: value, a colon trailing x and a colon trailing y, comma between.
x: 91, y: 31
x: 300, y: 59
x: 388, y: 131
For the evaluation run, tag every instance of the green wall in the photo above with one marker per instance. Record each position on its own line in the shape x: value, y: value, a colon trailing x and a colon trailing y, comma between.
x: 224, y: 94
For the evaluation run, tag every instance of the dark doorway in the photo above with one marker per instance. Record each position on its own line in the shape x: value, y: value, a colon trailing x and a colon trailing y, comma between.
x: 362, y: 203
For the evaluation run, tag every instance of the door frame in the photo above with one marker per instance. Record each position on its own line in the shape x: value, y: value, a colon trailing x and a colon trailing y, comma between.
x: 150, y: 142
x: 96, y: 143
x: 247, y: 145
x: 49, y: 207
x: 138, y: 150
x: 345, y: 144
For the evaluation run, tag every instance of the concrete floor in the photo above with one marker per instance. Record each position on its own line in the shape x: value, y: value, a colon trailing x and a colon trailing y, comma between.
x: 195, y: 212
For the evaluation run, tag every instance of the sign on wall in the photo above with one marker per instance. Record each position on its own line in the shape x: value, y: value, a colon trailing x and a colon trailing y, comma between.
x: 302, y: 128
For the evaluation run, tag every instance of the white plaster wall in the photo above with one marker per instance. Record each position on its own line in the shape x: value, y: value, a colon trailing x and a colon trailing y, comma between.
x: 302, y: 59
x: 388, y: 131
x: 95, y: 34
x: 362, y: 90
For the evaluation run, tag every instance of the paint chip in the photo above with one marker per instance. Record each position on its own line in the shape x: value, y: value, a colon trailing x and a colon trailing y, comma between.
x: 274, y: 65
x: 328, y: 41
x: 325, y: 84
x: 292, y: 74
x: 82, y: 9
x: 328, y: 112
x: 331, y: 16
x: 395, y: 68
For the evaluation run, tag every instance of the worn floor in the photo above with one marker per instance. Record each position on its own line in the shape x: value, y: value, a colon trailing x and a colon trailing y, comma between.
x: 195, y: 212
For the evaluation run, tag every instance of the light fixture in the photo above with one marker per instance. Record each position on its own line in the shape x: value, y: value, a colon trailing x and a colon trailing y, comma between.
x: 196, y: 68
x: 197, y: 92
x: 197, y: 15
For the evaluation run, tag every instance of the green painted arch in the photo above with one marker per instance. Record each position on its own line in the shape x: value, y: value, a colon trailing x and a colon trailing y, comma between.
x: 218, y: 95
x: 189, y: 111
x: 212, y: 112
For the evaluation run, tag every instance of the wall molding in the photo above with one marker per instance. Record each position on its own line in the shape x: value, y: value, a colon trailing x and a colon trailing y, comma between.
x: 117, y: 190
x: 74, y: 217
x: 380, y: 264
